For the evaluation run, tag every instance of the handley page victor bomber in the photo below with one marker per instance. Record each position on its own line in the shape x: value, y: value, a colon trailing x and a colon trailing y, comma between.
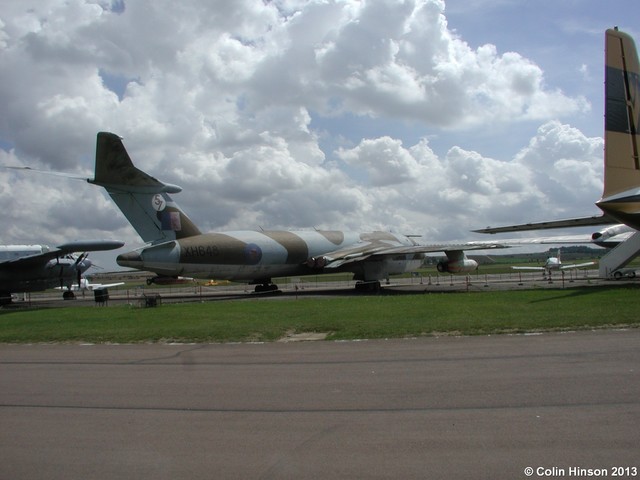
x: 175, y: 246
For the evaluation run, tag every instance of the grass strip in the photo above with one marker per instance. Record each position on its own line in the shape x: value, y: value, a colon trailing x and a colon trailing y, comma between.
x: 355, y: 317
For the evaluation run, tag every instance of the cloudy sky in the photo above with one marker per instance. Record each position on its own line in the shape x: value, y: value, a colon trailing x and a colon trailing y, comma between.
x: 426, y: 117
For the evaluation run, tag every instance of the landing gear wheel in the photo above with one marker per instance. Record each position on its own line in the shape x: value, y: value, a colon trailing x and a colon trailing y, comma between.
x: 68, y: 295
x: 368, y: 286
x: 267, y: 287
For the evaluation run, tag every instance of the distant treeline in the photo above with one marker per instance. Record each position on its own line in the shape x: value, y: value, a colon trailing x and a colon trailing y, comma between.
x: 596, y: 252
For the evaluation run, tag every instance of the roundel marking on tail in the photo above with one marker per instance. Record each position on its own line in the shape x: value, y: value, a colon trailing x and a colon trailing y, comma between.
x: 158, y: 202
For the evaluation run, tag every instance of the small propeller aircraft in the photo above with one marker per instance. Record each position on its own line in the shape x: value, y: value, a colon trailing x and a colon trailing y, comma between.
x: 32, y: 268
x: 555, y: 264
x: 86, y: 285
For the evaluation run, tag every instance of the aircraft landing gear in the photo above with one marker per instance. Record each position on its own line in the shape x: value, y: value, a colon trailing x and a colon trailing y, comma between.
x: 266, y: 287
x: 68, y: 295
x: 5, y: 298
x: 368, y: 286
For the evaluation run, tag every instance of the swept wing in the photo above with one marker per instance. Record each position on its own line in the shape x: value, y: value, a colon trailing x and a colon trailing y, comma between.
x: 569, y: 222
x: 363, y: 251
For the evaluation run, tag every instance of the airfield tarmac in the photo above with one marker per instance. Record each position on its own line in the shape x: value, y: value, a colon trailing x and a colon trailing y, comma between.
x: 448, y: 407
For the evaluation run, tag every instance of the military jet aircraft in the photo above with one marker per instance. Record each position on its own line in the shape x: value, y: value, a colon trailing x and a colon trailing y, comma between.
x: 31, y: 268
x: 176, y: 247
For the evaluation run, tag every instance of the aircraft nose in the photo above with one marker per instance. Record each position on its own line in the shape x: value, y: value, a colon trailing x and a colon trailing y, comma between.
x: 130, y: 259
x: 85, y: 264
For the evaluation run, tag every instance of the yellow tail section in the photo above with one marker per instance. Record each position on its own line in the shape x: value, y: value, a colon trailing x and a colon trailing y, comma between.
x: 622, y: 115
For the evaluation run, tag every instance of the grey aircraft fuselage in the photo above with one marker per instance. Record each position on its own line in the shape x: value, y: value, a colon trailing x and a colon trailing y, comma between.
x: 262, y: 255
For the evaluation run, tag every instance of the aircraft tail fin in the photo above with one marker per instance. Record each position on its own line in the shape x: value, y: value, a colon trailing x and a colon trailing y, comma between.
x: 622, y: 115
x: 620, y: 200
x: 144, y: 200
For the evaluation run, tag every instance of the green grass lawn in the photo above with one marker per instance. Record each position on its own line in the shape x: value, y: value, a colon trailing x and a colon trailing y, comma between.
x: 352, y: 317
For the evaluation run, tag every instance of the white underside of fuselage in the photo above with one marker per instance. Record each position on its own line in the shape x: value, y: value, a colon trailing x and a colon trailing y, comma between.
x: 371, y: 270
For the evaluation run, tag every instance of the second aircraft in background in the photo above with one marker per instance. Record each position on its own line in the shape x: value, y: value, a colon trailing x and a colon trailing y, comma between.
x: 555, y: 264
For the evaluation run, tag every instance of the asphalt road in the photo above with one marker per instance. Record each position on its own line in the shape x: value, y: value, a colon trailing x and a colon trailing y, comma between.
x: 448, y: 407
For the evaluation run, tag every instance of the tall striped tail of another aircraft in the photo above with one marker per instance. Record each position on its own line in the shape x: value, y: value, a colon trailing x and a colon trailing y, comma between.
x: 144, y: 200
x: 621, y: 196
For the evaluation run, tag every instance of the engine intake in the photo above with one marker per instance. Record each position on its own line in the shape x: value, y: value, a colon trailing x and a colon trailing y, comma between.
x: 317, y: 263
x: 601, y: 237
x: 458, y: 266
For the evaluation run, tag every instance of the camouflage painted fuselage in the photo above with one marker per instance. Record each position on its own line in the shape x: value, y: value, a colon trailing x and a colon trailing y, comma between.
x: 258, y: 256
x: 176, y: 247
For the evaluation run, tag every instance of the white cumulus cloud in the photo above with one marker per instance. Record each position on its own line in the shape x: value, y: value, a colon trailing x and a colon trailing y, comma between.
x: 224, y: 98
